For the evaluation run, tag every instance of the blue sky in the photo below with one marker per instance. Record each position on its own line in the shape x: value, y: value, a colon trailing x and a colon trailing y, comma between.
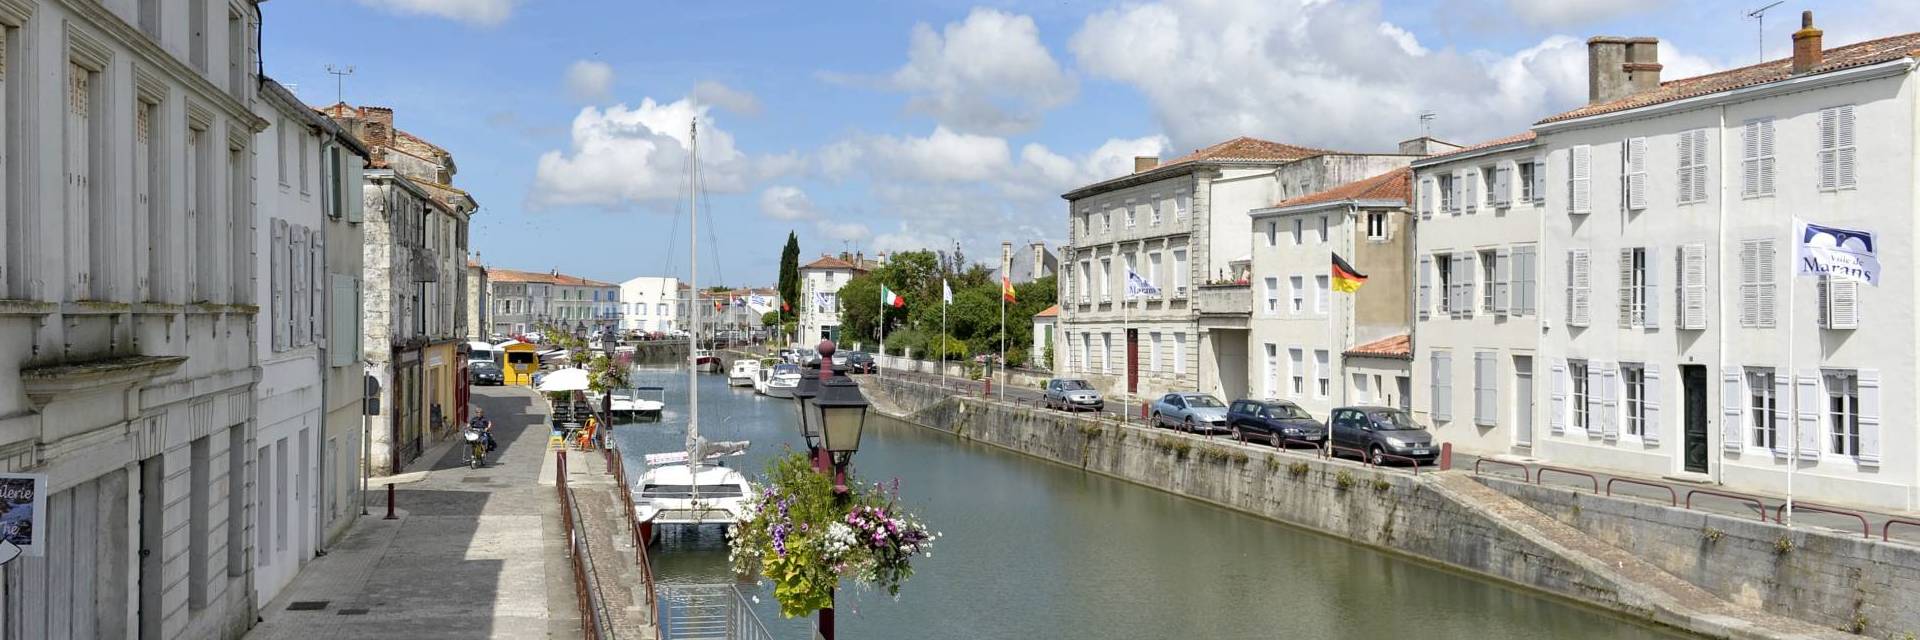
x: 903, y: 125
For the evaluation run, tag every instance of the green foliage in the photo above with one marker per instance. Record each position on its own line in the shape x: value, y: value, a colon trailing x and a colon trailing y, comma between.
x: 1343, y: 480
x: 1381, y: 485
x: 973, y: 321
x: 1783, y: 545
x: 1298, y: 469
x: 789, y: 284
x: 1712, y: 535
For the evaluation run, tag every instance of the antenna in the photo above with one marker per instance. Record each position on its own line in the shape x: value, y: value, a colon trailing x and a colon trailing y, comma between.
x: 1426, y: 122
x: 340, y: 81
x: 1760, y: 27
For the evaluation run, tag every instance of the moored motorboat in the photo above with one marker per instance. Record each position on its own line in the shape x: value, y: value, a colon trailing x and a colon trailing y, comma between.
x: 780, y: 381
x: 743, y: 373
x: 676, y: 492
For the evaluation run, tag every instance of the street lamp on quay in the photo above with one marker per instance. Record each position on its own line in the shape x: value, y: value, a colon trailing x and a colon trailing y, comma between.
x: 833, y: 413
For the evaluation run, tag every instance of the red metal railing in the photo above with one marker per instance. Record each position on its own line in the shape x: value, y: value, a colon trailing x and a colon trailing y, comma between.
x: 1523, y: 468
x: 581, y: 586
x: 1334, y: 451
x: 1285, y: 443
x: 1893, y: 521
x: 1542, y: 470
x: 1758, y: 505
x: 1672, y: 496
x: 1384, y: 456
x: 640, y: 557
x: 1866, y: 530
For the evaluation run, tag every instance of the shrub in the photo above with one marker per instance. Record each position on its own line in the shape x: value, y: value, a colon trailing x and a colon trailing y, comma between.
x: 1343, y: 480
x: 1783, y: 545
x: 1091, y: 430
x: 1712, y: 535
x: 1298, y: 469
x: 1381, y: 485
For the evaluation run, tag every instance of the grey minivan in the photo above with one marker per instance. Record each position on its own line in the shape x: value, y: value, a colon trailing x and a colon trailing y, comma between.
x: 1381, y: 430
x: 1072, y: 394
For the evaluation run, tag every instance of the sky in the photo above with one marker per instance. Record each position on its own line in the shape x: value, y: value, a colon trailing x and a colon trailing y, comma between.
x: 887, y: 126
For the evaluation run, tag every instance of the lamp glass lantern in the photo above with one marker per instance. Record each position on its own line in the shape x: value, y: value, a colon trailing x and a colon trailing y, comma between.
x: 803, y: 395
x: 843, y: 415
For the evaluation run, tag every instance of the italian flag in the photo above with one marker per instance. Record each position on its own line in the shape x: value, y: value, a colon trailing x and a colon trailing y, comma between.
x: 890, y: 299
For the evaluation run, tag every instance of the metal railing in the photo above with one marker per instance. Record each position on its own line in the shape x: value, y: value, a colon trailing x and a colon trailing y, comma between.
x: 1780, y: 512
x: 593, y: 623
x: 1516, y: 465
x: 1539, y: 473
x: 708, y: 612
x: 1758, y: 505
x: 617, y: 465
x: 1673, y: 498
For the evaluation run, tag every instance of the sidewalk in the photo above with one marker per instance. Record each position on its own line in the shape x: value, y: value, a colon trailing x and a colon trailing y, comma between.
x: 465, y: 558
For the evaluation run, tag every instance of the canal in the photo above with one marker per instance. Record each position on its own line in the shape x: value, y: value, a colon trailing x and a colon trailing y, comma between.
x: 1032, y: 549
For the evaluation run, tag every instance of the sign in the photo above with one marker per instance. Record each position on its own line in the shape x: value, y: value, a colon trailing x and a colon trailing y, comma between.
x: 1820, y: 250
x: 23, y: 512
x: 1138, y: 286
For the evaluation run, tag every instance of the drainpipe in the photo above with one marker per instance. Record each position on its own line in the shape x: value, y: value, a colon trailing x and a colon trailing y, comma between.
x: 326, y: 312
x: 1715, y: 436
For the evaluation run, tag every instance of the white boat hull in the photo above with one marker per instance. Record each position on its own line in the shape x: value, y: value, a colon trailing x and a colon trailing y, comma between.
x: 667, y: 495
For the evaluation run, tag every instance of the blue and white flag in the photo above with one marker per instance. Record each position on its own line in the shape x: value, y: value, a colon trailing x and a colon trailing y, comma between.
x: 758, y: 300
x: 1138, y: 286
x: 1820, y: 250
x: 946, y: 292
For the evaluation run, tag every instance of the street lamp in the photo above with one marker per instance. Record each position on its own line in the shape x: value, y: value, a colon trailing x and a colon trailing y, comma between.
x: 842, y: 416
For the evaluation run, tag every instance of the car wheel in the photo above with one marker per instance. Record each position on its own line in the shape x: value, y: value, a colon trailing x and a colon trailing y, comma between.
x: 1157, y: 423
x: 1374, y: 453
x: 1187, y: 426
x: 1239, y: 435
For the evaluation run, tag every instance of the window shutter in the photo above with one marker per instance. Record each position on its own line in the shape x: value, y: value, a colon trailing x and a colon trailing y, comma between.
x: 1594, y: 402
x: 1750, y: 159
x: 1693, y: 286
x: 1765, y: 159
x: 1442, y: 386
x: 1485, y: 391
x: 1502, y: 280
x: 1579, y: 288
x: 1732, y: 408
x: 1625, y: 287
x: 1466, y: 268
x: 1529, y: 280
x: 1558, y: 406
x: 1684, y: 157
x: 342, y: 308
x: 1539, y: 179
x: 1502, y: 188
x: 1580, y: 179
x: 1764, y: 276
x: 1829, y: 160
x: 1473, y: 191
x: 1807, y: 383
x: 1749, y: 284
x: 1699, y: 165
x: 1649, y: 289
x: 1635, y: 166
x: 316, y: 285
x: 1427, y: 196
x: 279, y: 284
x: 1609, y: 403
x: 1650, y: 404
x: 1840, y: 303
x: 1782, y: 420
x: 1426, y: 286
x: 1869, y: 381
x: 1843, y: 139
x: 1455, y: 185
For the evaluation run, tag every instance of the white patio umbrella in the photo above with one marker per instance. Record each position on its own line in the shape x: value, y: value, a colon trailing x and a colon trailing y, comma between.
x: 569, y: 379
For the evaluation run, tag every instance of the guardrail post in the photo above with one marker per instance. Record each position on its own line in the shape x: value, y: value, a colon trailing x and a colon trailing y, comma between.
x: 390, y: 515
x: 1446, y: 456
x: 987, y: 391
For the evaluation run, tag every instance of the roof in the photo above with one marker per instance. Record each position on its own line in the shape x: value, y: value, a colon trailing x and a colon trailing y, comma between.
x: 1395, y: 185
x: 1524, y: 136
x: 289, y: 103
x: 1049, y: 312
x: 1859, y: 54
x: 499, y: 274
x: 830, y: 262
x: 1241, y: 150
x: 1398, y: 347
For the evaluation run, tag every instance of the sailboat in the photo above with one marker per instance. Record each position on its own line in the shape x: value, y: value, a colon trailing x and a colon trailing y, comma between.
x: 682, y: 487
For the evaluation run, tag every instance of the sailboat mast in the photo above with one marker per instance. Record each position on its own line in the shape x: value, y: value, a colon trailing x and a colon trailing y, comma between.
x: 693, y: 282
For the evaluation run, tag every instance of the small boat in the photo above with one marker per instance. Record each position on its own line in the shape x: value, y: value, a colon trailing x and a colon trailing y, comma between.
x: 704, y: 361
x: 743, y: 373
x: 634, y: 403
x: 778, y: 381
x: 674, y: 492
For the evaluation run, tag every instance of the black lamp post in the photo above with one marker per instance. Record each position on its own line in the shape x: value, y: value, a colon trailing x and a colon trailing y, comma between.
x: 832, y: 415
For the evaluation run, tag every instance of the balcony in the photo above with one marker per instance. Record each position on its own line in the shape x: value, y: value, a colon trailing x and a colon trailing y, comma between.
x: 1224, y: 306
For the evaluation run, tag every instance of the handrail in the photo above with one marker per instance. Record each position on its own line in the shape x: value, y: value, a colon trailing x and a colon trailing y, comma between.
x: 1758, y: 505
x: 1334, y: 451
x: 1866, y: 530
x: 1284, y: 441
x: 1673, y: 496
x: 1384, y: 456
x: 1893, y: 521
x: 1480, y: 461
x: 1543, y: 469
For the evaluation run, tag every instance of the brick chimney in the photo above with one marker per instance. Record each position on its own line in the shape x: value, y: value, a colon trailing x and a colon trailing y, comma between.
x: 1806, y: 45
x: 1619, y: 67
x: 379, y: 126
x: 1145, y: 163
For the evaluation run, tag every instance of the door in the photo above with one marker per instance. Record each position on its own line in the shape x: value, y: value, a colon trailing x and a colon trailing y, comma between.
x: 1337, y: 427
x: 1693, y: 393
x: 152, y: 502
x: 1406, y: 392
x: 1133, y: 363
x: 1523, y: 400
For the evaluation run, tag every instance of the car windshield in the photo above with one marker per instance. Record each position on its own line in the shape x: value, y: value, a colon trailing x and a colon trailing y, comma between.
x: 483, y: 366
x: 1074, y: 385
x: 1286, y: 412
x: 1394, y: 421
x: 1202, y: 401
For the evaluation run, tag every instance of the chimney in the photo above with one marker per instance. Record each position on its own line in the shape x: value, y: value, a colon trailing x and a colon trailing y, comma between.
x: 1425, y: 146
x: 379, y: 126
x: 1006, y: 260
x: 1145, y: 163
x: 1619, y: 67
x: 1806, y: 45
x: 1039, y: 260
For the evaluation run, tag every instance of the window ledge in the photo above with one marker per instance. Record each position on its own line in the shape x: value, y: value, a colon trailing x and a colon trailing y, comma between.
x: 27, y: 307
x: 42, y: 383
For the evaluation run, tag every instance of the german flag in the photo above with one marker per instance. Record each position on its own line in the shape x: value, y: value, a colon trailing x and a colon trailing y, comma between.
x: 1345, y: 278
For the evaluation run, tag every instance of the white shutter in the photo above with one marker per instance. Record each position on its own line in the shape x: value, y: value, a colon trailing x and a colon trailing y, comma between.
x: 1869, y: 381
x: 1502, y: 280
x: 1594, y: 402
x: 1693, y: 286
x: 1442, y: 386
x: 1580, y: 179
x: 1465, y: 269
x: 1634, y: 164
x: 1579, y: 288
x: 1782, y: 416
x: 1750, y: 159
x: 1427, y: 197
x: 1485, y: 385
x: 1502, y: 186
x: 1625, y: 287
x: 1732, y: 408
x: 1426, y: 286
x: 1650, y: 404
x: 343, y: 311
x: 1764, y: 277
x: 1699, y: 165
x: 1844, y: 151
x: 1807, y: 386
x: 279, y: 285
x: 1610, y: 403
x: 1529, y: 265
x: 1839, y: 303
x: 1649, y: 289
x: 1558, y: 406
x: 1683, y: 165
x: 1749, y: 283
x: 1539, y: 179
x: 1766, y: 157
x: 1473, y: 191
x: 1454, y: 186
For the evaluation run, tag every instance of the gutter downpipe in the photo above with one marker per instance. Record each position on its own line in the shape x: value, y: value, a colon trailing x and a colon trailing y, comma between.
x: 1717, y: 436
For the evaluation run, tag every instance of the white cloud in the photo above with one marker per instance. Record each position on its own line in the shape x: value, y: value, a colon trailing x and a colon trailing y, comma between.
x: 589, y: 80
x: 988, y: 73
x: 621, y: 156
x: 1568, y: 13
x: 842, y: 231
x: 481, y: 13
x: 725, y: 97
x: 942, y: 156
x: 782, y: 202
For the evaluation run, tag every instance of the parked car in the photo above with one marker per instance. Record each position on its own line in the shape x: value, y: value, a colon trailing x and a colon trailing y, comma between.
x: 1194, y: 412
x: 839, y: 359
x: 1382, y: 431
x: 1272, y: 420
x: 483, y: 372
x: 861, y: 362
x: 1073, y: 394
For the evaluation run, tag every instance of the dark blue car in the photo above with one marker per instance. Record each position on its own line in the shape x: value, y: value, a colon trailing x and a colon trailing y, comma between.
x: 1273, y: 421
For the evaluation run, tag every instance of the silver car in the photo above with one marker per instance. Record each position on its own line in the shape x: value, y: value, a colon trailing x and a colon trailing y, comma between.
x: 1072, y: 394
x: 1193, y: 412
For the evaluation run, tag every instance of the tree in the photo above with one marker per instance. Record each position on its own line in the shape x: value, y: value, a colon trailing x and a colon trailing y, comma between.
x: 789, y: 284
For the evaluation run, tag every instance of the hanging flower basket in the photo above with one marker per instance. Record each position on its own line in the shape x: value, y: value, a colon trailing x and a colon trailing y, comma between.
x: 795, y: 533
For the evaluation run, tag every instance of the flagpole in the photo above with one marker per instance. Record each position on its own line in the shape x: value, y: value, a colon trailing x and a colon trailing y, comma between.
x: 944, y: 301
x: 1003, y: 335
x: 883, y: 328
x: 1793, y: 383
x: 1126, y: 341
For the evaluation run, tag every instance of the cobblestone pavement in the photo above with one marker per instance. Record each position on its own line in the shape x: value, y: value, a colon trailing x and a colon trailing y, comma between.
x: 465, y: 558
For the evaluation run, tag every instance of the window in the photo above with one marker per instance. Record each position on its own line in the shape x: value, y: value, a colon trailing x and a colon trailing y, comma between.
x: 1153, y: 271
x: 1271, y: 380
x: 1298, y: 284
x: 1086, y: 352
x: 1577, y: 371
x: 1323, y: 229
x: 1756, y: 283
x: 1490, y: 277
x: 1179, y: 352
x: 1836, y: 148
x: 1693, y: 166
x: 1634, y: 292
x: 1756, y: 158
x: 1493, y: 181
x: 1443, y: 267
x: 1153, y: 211
x: 1843, y: 412
x: 1153, y: 354
x: 1106, y: 352
x: 1129, y: 208
x: 1579, y: 288
x: 237, y: 45
x: 149, y: 160
x: 1273, y: 295
x: 1297, y: 371
x: 1580, y: 179
x: 1376, y: 225
x: 1180, y: 273
x: 237, y: 450
x: 1082, y: 222
x: 660, y: 310
x: 1837, y: 301
x: 1693, y: 286
x: 1763, y: 410
x: 199, y: 508
x: 197, y: 33
x: 1320, y: 293
x: 1528, y: 189
x: 85, y: 158
x: 1322, y: 374
x: 1440, y: 387
x: 1449, y: 200
x: 1525, y: 276
x: 1299, y: 231
x: 1106, y: 280
x: 1633, y: 171
x: 1634, y: 376
x: 1273, y: 233
x: 1086, y: 276
x: 285, y: 149
x: 305, y: 168
x: 1181, y: 203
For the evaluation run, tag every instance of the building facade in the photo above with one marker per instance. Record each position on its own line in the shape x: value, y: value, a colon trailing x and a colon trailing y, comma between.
x: 479, y: 308
x: 651, y: 304
x: 127, y: 330
x: 819, y: 306
x: 526, y: 300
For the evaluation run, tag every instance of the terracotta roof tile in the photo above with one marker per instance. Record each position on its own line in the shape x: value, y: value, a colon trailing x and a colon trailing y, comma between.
x: 829, y: 262
x: 498, y: 274
x: 1400, y: 346
x: 1859, y: 54
x: 1393, y: 185
x: 1246, y: 149
x: 1048, y: 312
x: 1523, y: 136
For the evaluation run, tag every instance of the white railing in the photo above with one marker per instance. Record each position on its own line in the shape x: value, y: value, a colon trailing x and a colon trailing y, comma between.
x: 708, y: 612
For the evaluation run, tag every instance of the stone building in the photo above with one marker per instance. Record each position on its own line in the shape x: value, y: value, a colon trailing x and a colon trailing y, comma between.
x: 479, y: 308
x: 128, y: 323
x: 551, y: 297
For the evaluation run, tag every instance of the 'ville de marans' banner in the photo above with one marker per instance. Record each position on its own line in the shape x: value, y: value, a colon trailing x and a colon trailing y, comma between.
x: 1821, y: 250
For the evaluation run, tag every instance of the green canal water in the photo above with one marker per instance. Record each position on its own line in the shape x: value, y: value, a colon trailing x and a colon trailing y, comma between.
x: 1032, y: 549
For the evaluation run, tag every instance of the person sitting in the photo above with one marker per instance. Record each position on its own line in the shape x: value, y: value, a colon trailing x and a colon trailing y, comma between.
x: 481, y: 424
x: 585, y: 439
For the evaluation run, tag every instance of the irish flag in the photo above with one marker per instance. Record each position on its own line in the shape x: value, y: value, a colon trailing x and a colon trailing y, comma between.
x: 890, y: 299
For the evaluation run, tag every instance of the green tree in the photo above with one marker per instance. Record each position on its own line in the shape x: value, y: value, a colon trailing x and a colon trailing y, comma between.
x: 789, y: 284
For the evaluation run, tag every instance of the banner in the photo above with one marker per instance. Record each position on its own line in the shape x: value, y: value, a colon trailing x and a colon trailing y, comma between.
x: 1820, y: 250
x: 1138, y: 286
x: 23, y: 512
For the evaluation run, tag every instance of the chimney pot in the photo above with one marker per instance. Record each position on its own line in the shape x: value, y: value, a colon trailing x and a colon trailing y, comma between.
x: 1807, y: 52
x: 1145, y: 163
x: 1619, y: 67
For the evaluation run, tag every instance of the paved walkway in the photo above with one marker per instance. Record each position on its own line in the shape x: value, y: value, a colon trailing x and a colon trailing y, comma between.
x: 466, y: 557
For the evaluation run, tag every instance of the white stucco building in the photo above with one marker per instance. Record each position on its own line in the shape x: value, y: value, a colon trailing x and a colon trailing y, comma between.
x: 819, y: 304
x: 650, y: 303
x: 524, y: 300
x: 127, y: 327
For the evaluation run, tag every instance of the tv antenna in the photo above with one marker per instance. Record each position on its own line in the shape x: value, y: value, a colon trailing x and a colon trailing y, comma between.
x: 340, y: 81
x: 1760, y: 27
x: 1426, y: 122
